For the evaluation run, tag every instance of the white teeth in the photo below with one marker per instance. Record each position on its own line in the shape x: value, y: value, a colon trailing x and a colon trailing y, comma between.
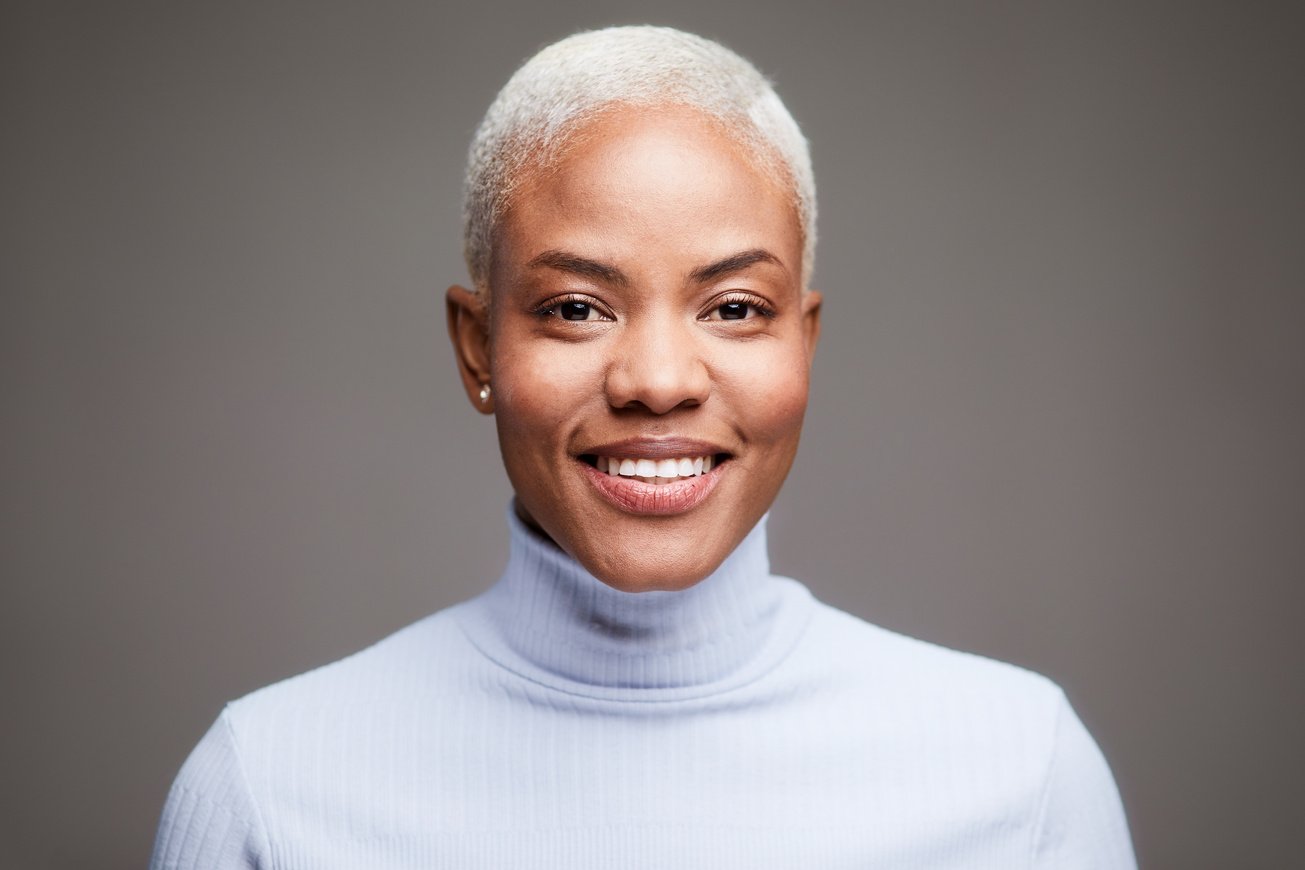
x: 654, y: 470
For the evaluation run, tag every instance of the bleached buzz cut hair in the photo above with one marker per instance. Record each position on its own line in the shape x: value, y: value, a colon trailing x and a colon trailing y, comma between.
x: 573, y: 81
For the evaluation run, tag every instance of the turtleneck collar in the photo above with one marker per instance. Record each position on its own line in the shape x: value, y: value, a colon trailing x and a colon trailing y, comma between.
x: 554, y: 622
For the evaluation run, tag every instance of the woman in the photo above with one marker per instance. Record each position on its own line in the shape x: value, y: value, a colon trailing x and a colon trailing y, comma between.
x: 638, y: 689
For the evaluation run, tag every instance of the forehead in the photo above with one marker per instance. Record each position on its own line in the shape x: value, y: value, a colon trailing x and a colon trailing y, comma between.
x: 655, y: 186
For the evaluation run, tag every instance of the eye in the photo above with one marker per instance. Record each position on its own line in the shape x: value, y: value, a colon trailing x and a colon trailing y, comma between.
x: 576, y: 311
x: 733, y: 310
x: 739, y: 307
x: 573, y: 308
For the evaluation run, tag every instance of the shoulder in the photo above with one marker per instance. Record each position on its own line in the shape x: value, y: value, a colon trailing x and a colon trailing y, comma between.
x: 274, y: 751
x: 210, y: 818
x: 868, y: 657
x: 958, y: 715
x: 949, y: 713
x: 326, y: 721
x: 412, y: 655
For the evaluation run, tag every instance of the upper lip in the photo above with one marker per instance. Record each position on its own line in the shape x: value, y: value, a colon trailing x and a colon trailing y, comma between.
x: 672, y: 447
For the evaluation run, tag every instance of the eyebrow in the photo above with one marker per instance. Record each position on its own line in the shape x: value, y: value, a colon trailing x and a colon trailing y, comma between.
x: 734, y: 263
x: 565, y: 261
x: 577, y: 265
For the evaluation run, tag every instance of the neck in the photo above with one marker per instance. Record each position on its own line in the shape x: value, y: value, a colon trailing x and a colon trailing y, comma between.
x: 549, y: 616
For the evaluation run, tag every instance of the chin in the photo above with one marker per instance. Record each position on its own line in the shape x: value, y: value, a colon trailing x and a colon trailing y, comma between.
x: 644, y: 554
x: 646, y: 570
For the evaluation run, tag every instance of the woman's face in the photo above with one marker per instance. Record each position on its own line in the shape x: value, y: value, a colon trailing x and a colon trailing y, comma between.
x: 648, y: 344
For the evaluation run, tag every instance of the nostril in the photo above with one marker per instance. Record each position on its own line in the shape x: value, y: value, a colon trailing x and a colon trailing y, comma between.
x: 658, y: 382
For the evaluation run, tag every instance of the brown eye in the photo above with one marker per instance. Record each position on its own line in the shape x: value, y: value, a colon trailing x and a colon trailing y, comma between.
x: 575, y: 310
x: 739, y: 307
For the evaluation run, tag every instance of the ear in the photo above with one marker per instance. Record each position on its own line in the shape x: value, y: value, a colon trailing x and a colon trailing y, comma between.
x: 469, y: 332
x: 811, y: 302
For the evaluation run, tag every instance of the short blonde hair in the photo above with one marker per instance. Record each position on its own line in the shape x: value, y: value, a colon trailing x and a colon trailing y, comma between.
x: 572, y: 81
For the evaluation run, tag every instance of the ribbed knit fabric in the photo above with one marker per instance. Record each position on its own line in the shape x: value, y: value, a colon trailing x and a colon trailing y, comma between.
x: 556, y: 722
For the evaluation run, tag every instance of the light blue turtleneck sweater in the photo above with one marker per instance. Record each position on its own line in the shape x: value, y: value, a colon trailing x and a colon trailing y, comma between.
x: 556, y: 722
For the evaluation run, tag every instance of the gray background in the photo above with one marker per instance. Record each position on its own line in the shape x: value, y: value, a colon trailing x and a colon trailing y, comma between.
x: 1057, y: 414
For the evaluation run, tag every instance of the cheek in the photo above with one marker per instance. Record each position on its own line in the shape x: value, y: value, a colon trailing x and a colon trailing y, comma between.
x: 769, y: 392
x: 538, y: 386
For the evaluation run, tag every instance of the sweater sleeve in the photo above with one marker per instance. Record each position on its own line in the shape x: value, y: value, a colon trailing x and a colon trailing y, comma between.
x: 1081, y: 822
x: 210, y: 820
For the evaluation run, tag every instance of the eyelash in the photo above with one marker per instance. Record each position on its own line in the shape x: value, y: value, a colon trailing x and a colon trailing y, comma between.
x: 760, y: 305
x: 549, y: 308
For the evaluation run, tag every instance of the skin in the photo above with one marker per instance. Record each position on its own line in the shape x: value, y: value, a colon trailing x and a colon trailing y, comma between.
x: 654, y: 220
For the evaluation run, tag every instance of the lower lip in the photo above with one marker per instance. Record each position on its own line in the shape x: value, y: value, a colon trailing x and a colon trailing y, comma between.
x: 654, y: 499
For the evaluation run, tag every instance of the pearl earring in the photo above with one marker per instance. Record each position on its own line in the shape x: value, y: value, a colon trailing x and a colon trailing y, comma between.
x: 484, y: 393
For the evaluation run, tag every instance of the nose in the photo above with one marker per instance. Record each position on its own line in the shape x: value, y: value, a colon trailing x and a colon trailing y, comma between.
x: 657, y: 365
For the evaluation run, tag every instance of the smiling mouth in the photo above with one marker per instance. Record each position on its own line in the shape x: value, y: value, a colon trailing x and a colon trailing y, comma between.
x: 654, y: 471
